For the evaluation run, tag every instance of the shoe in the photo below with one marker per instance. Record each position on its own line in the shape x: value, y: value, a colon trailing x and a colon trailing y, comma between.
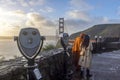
x: 88, y: 73
x: 81, y: 74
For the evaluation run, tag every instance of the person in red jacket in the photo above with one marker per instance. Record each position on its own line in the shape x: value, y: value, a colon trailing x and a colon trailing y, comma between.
x: 76, y: 49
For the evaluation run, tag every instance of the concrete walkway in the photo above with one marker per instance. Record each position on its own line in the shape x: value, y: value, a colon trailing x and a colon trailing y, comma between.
x: 106, y: 66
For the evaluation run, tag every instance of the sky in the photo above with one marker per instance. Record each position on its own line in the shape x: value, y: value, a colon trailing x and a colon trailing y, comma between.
x: 44, y: 15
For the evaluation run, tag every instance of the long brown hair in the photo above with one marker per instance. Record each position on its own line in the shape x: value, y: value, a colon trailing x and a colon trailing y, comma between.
x: 86, y: 40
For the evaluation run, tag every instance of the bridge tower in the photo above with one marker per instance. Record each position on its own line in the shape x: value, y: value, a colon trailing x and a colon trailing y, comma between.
x: 61, y: 25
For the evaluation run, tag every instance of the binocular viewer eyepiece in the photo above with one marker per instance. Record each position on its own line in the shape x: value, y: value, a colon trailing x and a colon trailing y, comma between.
x: 29, y: 42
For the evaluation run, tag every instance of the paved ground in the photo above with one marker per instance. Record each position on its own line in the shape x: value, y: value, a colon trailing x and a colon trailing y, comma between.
x: 106, y: 66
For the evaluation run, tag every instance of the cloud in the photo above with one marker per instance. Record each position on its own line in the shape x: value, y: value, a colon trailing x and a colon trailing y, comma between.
x: 37, y: 2
x: 13, y: 21
x: 19, y: 12
x: 8, y: 2
x: 46, y: 26
x: 35, y: 19
x: 81, y: 5
x: 11, y: 17
x: 31, y: 3
x: 100, y: 20
x: 9, y: 20
x: 47, y: 9
x: 80, y: 15
x: 77, y: 16
x: 22, y: 4
x: 73, y: 25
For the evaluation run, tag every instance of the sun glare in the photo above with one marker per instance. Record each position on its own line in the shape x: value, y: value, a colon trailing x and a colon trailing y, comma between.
x: 7, y: 21
x: 1, y: 31
x: 2, y: 22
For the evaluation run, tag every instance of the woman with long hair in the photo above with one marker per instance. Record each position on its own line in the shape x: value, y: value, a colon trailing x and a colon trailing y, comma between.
x: 86, y: 55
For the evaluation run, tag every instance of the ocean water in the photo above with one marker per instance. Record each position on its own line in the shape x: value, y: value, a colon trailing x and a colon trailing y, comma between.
x: 9, y: 49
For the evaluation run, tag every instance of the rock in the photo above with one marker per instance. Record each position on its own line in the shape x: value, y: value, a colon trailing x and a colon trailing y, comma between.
x: 51, y: 66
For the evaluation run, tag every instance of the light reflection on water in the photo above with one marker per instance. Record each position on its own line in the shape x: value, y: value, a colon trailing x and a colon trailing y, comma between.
x: 9, y: 49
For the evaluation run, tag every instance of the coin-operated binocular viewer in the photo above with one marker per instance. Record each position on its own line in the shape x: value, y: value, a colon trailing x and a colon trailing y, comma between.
x: 64, y: 42
x: 30, y: 43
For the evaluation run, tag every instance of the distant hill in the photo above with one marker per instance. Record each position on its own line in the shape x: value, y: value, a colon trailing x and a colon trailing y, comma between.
x: 104, y: 30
